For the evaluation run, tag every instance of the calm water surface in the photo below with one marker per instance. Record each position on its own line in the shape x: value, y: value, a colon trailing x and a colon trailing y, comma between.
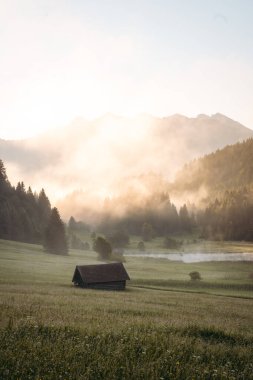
x: 193, y: 257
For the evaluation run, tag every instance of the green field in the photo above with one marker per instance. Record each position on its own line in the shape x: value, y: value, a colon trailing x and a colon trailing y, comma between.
x: 163, y: 326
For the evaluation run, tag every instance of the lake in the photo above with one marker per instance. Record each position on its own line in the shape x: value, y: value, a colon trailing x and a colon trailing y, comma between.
x: 192, y: 257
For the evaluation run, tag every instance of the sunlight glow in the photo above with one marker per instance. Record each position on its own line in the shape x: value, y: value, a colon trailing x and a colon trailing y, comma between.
x: 71, y: 60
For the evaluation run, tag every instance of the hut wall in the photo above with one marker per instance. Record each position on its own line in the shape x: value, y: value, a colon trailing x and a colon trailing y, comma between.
x: 78, y: 279
x: 114, y: 285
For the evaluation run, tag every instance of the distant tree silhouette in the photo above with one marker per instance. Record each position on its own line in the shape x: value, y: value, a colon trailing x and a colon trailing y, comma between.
x: 55, y: 240
x: 171, y: 243
x: 102, y: 247
x: 72, y: 224
x: 141, y: 246
x: 44, y: 209
x: 230, y: 217
x: 184, y: 218
x: 4, y: 183
x: 3, y: 176
x: 24, y: 215
x: 147, y: 232
x: 86, y: 246
x: 118, y: 239
x: 77, y: 243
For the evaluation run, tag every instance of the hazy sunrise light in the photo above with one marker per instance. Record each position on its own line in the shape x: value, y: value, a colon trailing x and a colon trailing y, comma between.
x: 61, y: 60
x: 126, y: 189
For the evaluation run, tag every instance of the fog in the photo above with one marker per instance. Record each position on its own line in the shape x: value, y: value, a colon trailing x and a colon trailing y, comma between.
x: 113, y: 157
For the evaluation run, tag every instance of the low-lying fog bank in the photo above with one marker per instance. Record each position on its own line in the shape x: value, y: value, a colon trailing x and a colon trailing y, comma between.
x: 193, y: 257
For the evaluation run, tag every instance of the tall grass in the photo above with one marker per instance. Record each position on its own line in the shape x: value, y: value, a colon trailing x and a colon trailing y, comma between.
x: 162, y: 327
x: 49, y: 353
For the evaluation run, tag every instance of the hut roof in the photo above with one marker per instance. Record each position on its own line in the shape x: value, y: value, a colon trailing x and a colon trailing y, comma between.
x: 101, y: 273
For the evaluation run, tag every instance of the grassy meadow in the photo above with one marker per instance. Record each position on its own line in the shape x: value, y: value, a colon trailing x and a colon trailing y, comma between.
x: 163, y: 326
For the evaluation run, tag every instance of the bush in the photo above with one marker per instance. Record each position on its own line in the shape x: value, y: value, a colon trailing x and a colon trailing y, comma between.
x: 103, y: 248
x: 171, y: 243
x: 86, y: 246
x: 141, y: 246
x: 195, y: 276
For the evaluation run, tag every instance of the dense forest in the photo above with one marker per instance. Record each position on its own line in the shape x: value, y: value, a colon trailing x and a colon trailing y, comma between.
x: 26, y: 216
x: 228, y: 217
x: 225, y: 213
x: 226, y: 210
x: 156, y: 216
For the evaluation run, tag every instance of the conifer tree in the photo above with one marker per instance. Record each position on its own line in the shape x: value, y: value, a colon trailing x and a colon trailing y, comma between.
x: 185, y: 220
x: 55, y: 237
x: 44, y: 208
x: 147, y: 232
x: 72, y: 224
x: 4, y: 183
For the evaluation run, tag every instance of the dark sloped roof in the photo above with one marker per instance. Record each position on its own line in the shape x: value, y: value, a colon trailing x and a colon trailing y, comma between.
x: 102, y: 273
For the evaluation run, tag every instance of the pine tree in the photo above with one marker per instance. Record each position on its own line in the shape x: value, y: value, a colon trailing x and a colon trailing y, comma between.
x: 55, y: 237
x: 3, y: 176
x: 72, y: 224
x: 185, y: 220
x: 4, y: 183
x: 147, y: 232
x: 44, y: 209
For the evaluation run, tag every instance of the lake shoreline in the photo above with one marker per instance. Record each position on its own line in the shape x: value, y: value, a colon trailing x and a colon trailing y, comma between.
x: 192, y: 257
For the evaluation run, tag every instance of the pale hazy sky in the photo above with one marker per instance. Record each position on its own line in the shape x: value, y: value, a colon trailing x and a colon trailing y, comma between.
x: 60, y: 59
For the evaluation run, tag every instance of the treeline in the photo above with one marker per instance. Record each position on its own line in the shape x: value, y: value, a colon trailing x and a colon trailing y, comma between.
x: 227, y: 213
x: 158, y: 216
x: 223, y: 209
x: 28, y: 217
x: 229, y: 217
x: 227, y: 179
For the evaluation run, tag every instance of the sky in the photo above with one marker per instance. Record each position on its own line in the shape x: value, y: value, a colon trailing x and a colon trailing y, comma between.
x: 63, y: 59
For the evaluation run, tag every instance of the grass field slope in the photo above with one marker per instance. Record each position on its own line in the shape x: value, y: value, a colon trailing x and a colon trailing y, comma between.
x: 163, y: 326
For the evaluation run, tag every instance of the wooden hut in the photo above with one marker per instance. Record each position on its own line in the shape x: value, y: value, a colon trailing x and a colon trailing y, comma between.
x: 102, y: 276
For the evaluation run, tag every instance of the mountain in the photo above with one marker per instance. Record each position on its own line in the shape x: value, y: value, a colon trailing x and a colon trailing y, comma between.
x: 97, y: 158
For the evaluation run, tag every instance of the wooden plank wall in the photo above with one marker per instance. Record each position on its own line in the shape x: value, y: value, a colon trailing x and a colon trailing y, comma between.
x: 114, y: 285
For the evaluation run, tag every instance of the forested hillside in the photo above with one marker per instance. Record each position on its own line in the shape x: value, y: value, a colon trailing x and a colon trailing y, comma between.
x: 229, y: 216
x: 226, y: 169
x: 224, y: 211
x: 218, y: 192
x: 225, y: 178
x: 23, y: 214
